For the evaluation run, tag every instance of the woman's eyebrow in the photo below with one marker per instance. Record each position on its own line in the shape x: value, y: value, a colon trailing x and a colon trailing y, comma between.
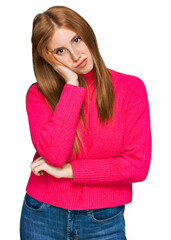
x: 63, y: 47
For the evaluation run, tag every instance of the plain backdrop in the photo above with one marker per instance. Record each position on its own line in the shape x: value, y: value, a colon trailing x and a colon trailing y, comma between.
x: 133, y: 38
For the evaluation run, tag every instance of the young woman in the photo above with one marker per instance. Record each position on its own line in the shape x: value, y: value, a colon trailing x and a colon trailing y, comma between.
x: 90, y: 127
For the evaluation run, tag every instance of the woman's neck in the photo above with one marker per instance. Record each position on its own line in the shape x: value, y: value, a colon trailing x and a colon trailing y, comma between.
x: 89, y: 76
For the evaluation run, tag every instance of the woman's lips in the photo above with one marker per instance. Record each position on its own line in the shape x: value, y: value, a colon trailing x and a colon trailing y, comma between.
x: 82, y: 64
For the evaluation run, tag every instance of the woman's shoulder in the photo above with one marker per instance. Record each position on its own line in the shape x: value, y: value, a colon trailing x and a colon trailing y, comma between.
x: 127, y: 81
x: 34, y: 90
x: 34, y: 93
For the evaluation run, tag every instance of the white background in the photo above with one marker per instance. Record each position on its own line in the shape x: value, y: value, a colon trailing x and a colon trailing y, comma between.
x: 134, y: 38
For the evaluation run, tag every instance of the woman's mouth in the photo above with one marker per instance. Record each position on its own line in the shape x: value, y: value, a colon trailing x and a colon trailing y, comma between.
x: 82, y: 64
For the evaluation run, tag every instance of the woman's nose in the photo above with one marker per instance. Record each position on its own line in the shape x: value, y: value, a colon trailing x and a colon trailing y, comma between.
x: 75, y: 55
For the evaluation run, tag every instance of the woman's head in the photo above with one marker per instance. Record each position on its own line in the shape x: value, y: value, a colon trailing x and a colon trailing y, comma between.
x: 62, y: 34
x: 68, y: 48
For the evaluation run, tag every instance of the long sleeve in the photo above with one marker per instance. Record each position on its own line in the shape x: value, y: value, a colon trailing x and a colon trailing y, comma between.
x: 53, y: 134
x: 132, y: 164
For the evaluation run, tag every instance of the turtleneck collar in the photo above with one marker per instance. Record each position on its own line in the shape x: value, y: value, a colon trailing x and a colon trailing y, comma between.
x: 89, y: 77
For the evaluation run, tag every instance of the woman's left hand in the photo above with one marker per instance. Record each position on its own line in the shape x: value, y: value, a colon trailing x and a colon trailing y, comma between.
x: 40, y: 165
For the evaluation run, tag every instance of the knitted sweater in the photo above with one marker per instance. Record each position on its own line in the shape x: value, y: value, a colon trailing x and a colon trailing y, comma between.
x: 117, y: 155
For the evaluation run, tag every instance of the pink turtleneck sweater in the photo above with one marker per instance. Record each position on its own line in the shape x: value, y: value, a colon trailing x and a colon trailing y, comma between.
x: 117, y: 155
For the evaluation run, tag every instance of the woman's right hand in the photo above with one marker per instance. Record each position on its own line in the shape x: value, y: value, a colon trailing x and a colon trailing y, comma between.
x: 70, y: 76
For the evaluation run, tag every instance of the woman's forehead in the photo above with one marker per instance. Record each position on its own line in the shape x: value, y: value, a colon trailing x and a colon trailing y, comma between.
x: 61, y: 38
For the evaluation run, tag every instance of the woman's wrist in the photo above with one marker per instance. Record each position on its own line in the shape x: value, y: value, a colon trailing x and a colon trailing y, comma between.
x: 67, y: 171
x: 62, y: 172
x: 54, y: 171
x: 73, y: 83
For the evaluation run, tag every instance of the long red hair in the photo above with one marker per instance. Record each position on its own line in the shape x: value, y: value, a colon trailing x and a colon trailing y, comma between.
x: 50, y: 83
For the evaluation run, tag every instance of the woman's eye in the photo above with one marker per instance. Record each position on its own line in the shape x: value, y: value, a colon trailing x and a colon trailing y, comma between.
x: 59, y: 51
x: 77, y: 39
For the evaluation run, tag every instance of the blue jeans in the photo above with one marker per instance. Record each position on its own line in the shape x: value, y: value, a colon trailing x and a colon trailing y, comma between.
x: 41, y: 221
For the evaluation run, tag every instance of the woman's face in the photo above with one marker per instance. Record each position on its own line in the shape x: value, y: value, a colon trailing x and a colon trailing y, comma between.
x: 69, y: 49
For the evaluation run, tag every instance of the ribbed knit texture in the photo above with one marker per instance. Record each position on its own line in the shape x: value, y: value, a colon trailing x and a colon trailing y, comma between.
x: 116, y: 156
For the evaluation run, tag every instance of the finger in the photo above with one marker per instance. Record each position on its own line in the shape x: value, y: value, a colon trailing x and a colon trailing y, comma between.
x: 37, y: 170
x: 41, y: 172
x: 33, y: 170
x: 37, y: 174
x: 35, y: 164
x: 57, y: 65
x: 39, y: 158
x: 56, y: 61
x: 57, y: 68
